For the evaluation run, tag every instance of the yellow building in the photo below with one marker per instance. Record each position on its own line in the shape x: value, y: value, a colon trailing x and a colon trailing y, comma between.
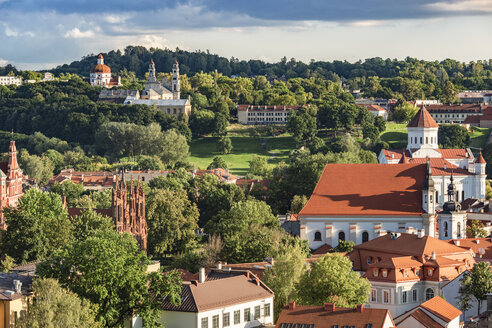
x: 15, y: 290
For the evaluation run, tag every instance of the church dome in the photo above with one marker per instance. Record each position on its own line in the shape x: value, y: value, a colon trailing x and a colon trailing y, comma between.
x: 101, y: 68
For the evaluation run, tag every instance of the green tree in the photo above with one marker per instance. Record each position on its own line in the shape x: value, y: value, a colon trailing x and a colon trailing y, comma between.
x: 36, y: 228
x: 72, y: 191
x: 7, y: 264
x: 202, y: 122
x: 258, y: 166
x: 302, y: 124
x: 298, y: 203
x: 477, y: 282
x: 55, y: 306
x: 449, y: 93
x: 39, y: 168
x: 453, y: 136
x: 220, y: 125
x: 404, y: 112
x: 88, y: 223
x: 217, y: 162
x: 224, y: 146
x: 175, y: 148
x: 172, y: 220
x: 146, y: 162
x: 476, y: 229
x: 343, y: 247
x: 284, y: 275
x: 108, y: 269
x: 332, y: 280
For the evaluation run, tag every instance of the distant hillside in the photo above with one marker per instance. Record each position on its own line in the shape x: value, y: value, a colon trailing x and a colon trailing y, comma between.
x: 473, y: 75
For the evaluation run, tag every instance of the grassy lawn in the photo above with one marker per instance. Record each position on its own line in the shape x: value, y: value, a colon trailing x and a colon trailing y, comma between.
x: 245, y: 146
x: 478, y: 137
x: 395, y: 135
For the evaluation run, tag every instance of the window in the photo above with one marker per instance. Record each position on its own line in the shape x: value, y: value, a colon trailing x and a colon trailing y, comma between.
x: 462, y: 195
x: 386, y: 296
x: 226, y: 319
x: 458, y: 229
x: 365, y: 236
x: 414, y: 296
x: 237, y: 317
x: 445, y: 229
x: 426, y: 140
x: 384, y: 273
x: 215, y: 321
x: 204, y: 323
x: 375, y: 272
x: 429, y: 293
x: 341, y: 235
x: 405, y: 273
x: 267, y: 310
x: 257, y: 312
x: 374, y: 295
x: 369, y: 260
x: 421, y: 140
x: 437, y: 196
x: 317, y: 236
x: 429, y: 272
x: 404, y: 297
x: 247, y: 315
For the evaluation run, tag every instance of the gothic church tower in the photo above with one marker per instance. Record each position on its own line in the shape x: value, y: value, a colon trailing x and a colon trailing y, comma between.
x: 176, y: 85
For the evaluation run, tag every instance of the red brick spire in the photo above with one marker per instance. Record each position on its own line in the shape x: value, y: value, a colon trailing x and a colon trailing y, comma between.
x: 13, y: 166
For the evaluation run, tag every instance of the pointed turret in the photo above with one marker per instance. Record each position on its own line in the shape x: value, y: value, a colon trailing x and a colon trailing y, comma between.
x: 152, y: 73
x: 13, y: 166
x: 422, y: 131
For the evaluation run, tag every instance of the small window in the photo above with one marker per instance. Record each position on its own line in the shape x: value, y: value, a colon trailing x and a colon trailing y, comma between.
x: 429, y: 272
x: 404, y: 296
x: 226, y: 319
x: 384, y: 273
x: 458, y: 229
x: 204, y: 323
x: 414, y: 295
x: 247, y: 315
x: 257, y: 312
x: 421, y: 140
x: 368, y: 260
x: 341, y: 236
x: 374, y: 295
x: 215, y: 321
x: 445, y: 229
x: 375, y: 272
x: 437, y: 196
x: 426, y: 140
x: 267, y: 310
x: 317, y: 236
x: 386, y: 296
x: 237, y: 317
x: 365, y: 236
x: 429, y: 293
x: 462, y: 195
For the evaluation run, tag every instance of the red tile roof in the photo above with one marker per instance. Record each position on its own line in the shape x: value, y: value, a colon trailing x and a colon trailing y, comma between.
x: 467, y: 108
x: 442, y: 309
x: 424, y: 319
x: 101, y: 68
x: 437, y: 165
x: 475, y: 244
x: 350, y: 189
x: 266, y: 108
x: 422, y: 120
x: 78, y: 211
x: 480, y: 159
x: 373, y: 108
x: 320, y: 318
x: 453, y: 153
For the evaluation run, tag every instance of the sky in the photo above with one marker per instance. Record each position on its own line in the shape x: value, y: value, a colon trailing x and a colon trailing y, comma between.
x: 41, y: 34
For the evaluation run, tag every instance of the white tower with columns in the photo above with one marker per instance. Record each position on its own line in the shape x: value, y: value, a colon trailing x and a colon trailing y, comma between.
x: 422, y: 131
x: 176, y: 85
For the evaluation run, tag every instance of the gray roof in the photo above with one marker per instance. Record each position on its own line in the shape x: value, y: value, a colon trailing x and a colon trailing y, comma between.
x: 110, y: 93
x: 158, y: 102
x: 7, y: 286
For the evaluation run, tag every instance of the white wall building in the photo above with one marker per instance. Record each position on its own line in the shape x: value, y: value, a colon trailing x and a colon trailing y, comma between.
x: 253, y: 114
x: 101, y: 75
x: 436, y: 312
x: 9, y: 80
x: 220, y: 298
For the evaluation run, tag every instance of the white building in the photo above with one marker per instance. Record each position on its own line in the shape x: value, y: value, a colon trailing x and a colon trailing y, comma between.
x: 9, y: 80
x: 436, y: 312
x: 221, y: 298
x: 101, y: 75
x: 376, y: 110
x: 259, y: 114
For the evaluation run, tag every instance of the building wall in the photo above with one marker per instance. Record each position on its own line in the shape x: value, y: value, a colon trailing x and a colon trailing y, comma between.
x: 8, y: 80
x: 456, y: 117
x: 263, y: 117
x: 176, y: 109
x: 353, y: 228
x: 418, y: 137
x: 175, y: 319
x: 451, y: 291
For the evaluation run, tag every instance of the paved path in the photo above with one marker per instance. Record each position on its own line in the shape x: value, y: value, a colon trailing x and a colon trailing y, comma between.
x: 263, y: 145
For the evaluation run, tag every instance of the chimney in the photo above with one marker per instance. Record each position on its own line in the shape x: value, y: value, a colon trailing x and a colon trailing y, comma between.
x: 219, y: 265
x: 292, y: 305
x: 445, y: 166
x: 17, y: 286
x: 477, y: 241
x: 329, y: 307
x: 420, y: 233
x: 360, y: 308
x: 201, y: 275
x: 194, y: 282
x: 457, y: 242
x: 433, y: 255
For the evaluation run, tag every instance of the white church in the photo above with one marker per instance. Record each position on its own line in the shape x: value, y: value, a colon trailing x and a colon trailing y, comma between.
x: 421, y: 194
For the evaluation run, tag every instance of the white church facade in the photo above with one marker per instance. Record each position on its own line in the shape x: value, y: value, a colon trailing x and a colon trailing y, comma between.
x: 360, y: 202
x: 101, y: 75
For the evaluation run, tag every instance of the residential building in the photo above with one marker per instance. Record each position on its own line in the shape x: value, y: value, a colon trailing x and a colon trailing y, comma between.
x: 11, y: 179
x: 117, y: 96
x: 469, y: 172
x: 484, y: 120
x: 426, y: 102
x: 259, y: 114
x: 455, y: 113
x: 174, y: 107
x: 435, y: 312
x: 100, y: 180
x: 330, y: 316
x: 220, y: 298
x: 473, y: 96
x: 10, y: 80
x: 15, y: 292
x: 385, y: 103
x: 101, y: 75
x: 376, y: 110
x: 407, y: 269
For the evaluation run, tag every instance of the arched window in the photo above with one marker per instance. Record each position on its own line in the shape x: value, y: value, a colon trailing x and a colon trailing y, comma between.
x: 421, y: 140
x: 437, y: 196
x: 341, y: 235
x: 429, y: 293
x: 317, y: 236
x: 365, y: 236
x: 458, y: 229
x: 462, y: 195
x: 426, y: 140
x: 445, y: 228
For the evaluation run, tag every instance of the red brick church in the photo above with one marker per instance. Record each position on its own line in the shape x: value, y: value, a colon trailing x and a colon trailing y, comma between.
x: 10, y: 183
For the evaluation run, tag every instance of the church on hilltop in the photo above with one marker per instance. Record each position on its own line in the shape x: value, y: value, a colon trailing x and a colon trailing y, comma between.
x: 101, y: 75
x: 421, y: 193
x: 11, y: 179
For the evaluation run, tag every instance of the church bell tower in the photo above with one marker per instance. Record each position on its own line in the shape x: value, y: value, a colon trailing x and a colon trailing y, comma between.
x: 452, y: 220
x: 176, y: 85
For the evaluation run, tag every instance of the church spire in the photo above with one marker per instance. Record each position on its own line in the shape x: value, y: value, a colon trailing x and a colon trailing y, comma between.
x: 451, y: 189
x: 152, y: 75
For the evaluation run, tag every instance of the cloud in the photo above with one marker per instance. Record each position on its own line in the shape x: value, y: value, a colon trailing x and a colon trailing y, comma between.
x: 75, y: 33
x: 3, y: 62
x: 477, y: 6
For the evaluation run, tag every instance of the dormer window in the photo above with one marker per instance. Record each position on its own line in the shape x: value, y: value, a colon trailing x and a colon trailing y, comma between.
x: 429, y: 272
x: 384, y: 273
x: 405, y: 273
x: 375, y: 272
x: 369, y: 260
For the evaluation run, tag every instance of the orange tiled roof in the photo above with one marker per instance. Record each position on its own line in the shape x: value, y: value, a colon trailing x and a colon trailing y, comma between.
x: 437, y: 165
x: 349, y: 189
x: 373, y: 108
x: 453, y: 153
x: 317, y: 315
x: 480, y: 159
x: 425, y: 319
x: 442, y: 309
x: 422, y: 120
x: 101, y: 68
x: 266, y: 108
x: 475, y: 244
